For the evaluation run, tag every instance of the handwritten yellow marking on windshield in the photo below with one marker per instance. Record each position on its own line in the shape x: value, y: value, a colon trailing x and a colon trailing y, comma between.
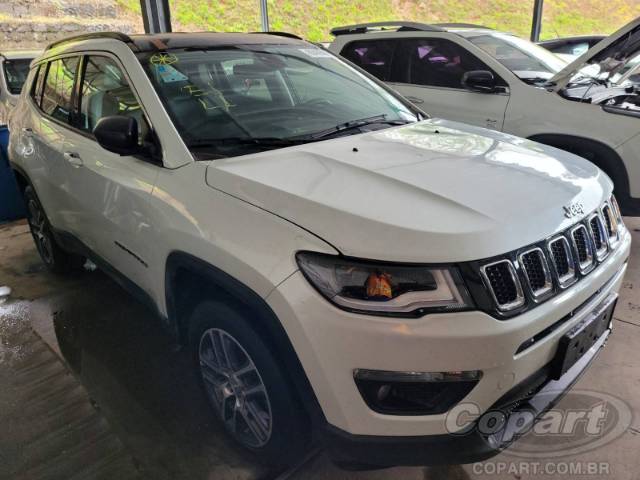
x: 210, y: 99
x: 163, y: 59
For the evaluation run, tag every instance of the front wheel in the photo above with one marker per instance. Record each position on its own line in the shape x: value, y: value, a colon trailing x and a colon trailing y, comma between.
x: 245, y: 386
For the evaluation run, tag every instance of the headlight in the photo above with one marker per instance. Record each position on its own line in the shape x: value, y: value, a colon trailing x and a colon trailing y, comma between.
x: 404, y: 290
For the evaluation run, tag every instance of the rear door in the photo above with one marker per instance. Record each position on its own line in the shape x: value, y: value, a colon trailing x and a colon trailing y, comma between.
x: 42, y: 136
x: 428, y: 71
x: 110, y: 193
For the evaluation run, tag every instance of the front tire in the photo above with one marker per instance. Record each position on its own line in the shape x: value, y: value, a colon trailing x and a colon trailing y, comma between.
x: 245, y: 385
x: 52, y: 255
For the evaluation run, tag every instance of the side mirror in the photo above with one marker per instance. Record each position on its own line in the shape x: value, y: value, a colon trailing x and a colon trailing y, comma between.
x: 479, y: 81
x: 118, y: 134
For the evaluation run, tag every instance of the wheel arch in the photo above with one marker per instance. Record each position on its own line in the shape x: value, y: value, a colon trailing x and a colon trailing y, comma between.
x: 189, y: 280
x: 22, y: 179
x: 597, y: 152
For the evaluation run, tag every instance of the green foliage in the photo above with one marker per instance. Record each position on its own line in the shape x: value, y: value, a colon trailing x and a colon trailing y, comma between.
x: 313, y: 19
x: 132, y: 6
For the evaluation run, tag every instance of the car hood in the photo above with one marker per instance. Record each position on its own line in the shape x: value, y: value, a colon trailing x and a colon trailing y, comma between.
x: 434, y: 191
x: 611, y: 53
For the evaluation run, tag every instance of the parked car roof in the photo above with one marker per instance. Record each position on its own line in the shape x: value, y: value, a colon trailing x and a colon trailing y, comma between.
x: 15, y: 54
x: 557, y: 42
x: 407, y: 26
x: 163, y: 41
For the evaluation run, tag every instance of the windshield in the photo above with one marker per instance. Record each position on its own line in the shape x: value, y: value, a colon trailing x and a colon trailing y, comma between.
x: 229, y: 99
x: 16, y: 71
x: 528, y: 61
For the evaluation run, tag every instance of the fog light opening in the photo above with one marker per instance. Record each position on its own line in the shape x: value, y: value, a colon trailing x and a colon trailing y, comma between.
x: 414, y: 393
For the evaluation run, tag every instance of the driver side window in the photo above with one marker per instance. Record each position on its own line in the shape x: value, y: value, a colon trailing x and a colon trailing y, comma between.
x: 105, y: 91
x: 436, y: 62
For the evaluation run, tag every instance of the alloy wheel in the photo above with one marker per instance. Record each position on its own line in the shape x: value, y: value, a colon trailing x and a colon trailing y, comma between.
x: 40, y: 232
x: 235, y: 388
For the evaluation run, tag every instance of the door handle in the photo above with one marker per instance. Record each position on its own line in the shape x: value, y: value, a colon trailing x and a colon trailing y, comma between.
x: 73, y: 158
x: 414, y: 99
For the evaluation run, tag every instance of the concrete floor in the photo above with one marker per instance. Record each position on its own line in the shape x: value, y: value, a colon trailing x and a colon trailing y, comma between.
x: 146, y: 416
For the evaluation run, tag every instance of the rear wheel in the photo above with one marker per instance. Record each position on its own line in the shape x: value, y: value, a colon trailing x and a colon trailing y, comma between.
x: 245, y: 386
x: 54, y: 257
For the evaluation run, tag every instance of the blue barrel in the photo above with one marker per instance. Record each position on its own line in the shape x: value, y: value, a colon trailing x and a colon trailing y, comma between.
x: 11, y: 204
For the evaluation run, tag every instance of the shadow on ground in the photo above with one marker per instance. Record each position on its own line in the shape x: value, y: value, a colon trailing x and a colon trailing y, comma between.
x: 140, y: 381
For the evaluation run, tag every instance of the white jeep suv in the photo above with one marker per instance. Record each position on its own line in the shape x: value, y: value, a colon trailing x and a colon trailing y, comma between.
x: 344, y: 270
x: 496, y: 80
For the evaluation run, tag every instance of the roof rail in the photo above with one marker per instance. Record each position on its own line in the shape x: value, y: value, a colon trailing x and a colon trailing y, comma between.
x: 461, y: 25
x: 281, y: 34
x: 402, y: 26
x: 88, y: 36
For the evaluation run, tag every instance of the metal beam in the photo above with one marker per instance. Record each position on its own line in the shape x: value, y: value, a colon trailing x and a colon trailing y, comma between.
x: 156, y: 16
x: 264, y: 15
x: 536, y: 24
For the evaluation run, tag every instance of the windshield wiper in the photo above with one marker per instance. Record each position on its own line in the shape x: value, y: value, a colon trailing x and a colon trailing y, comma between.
x: 268, y: 142
x: 537, y: 81
x: 277, y: 142
x: 352, y: 124
x: 590, y: 81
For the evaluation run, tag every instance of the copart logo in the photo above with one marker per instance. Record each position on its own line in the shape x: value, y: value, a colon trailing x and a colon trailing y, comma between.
x: 589, y: 421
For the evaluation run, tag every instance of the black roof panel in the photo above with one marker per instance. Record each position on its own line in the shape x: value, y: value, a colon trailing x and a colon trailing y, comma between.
x: 163, y: 41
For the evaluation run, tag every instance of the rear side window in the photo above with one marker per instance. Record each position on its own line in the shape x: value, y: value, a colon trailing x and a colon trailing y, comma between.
x: 57, y: 97
x: 104, y: 92
x: 374, y: 56
x: 38, y: 80
x: 436, y: 62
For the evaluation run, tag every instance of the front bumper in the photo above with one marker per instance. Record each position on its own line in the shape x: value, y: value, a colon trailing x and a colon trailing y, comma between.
x: 332, y: 343
x: 383, y: 451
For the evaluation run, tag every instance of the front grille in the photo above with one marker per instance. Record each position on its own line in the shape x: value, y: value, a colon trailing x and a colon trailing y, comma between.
x: 562, y: 260
x: 611, y: 223
x: 598, y: 235
x: 534, y: 266
x: 583, y: 247
x: 613, y: 202
x: 534, y: 274
x: 504, y: 285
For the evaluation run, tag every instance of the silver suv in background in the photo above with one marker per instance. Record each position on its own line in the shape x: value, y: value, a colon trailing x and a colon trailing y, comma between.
x: 14, y: 68
x: 480, y: 76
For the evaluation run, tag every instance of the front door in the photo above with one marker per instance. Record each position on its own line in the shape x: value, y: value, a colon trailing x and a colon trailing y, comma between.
x: 434, y: 69
x: 111, y: 193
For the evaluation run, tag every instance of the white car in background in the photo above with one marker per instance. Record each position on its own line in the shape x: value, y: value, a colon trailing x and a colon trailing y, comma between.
x: 476, y: 75
x: 570, y: 48
x: 14, y: 68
